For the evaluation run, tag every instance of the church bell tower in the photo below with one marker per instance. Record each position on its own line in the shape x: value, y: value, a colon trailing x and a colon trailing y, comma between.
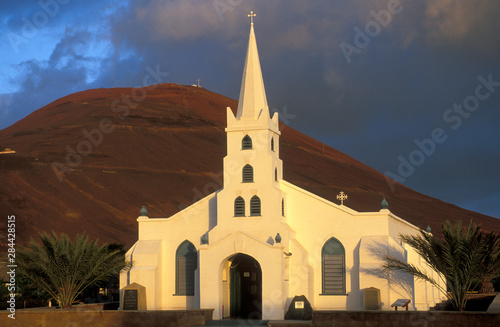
x: 252, y: 167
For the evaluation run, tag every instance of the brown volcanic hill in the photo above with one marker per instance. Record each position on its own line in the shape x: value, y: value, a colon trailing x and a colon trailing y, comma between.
x: 165, y: 151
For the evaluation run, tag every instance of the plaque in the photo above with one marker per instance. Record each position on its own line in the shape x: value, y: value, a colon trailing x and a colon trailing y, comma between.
x: 299, y: 309
x: 401, y: 303
x: 130, y: 300
x: 134, y: 297
x: 371, y: 299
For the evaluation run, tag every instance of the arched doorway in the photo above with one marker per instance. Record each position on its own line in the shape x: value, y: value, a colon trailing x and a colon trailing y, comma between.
x: 245, y: 287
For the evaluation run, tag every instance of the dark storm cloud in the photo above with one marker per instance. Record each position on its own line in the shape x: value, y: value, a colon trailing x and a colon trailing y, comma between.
x: 373, y: 103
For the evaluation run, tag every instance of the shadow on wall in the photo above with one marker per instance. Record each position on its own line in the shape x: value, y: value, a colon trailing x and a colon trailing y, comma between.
x: 399, y: 283
x: 354, y: 300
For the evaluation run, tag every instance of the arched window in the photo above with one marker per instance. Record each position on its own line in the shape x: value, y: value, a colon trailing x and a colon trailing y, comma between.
x: 246, y: 143
x: 276, y: 174
x: 186, y: 262
x: 333, y: 267
x: 272, y: 143
x: 255, y: 206
x: 283, y: 207
x: 239, y: 207
x: 247, y: 174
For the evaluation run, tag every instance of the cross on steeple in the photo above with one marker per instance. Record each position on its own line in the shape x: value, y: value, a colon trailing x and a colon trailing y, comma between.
x: 252, y: 93
x: 251, y: 15
x: 342, y: 196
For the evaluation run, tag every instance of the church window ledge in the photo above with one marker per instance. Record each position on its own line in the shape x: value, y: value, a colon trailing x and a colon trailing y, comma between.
x: 182, y: 294
x: 322, y: 294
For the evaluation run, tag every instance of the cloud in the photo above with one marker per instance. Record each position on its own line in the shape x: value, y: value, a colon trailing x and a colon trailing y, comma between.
x: 69, y: 68
x: 68, y: 64
x: 179, y: 20
x: 464, y: 23
x: 5, y: 105
x: 394, y: 91
x: 288, y: 25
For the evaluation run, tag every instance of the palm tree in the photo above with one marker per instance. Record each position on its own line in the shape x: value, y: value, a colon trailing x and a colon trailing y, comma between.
x: 64, y: 269
x: 459, y: 259
x: 490, y: 268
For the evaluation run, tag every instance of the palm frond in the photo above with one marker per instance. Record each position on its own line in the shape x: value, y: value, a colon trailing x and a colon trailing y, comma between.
x: 64, y: 269
x: 465, y: 254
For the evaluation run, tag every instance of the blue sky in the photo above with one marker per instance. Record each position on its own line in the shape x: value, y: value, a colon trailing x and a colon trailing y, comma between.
x: 410, y: 88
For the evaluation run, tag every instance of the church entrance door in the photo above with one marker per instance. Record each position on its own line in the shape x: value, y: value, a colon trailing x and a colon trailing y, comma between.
x: 245, y: 287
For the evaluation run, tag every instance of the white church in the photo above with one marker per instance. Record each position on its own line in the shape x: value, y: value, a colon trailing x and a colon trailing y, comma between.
x: 247, y: 249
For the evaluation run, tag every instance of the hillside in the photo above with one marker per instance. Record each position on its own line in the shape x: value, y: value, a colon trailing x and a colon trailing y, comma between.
x: 163, y: 148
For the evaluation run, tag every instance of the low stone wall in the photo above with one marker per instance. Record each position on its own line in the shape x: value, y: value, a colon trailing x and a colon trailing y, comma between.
x: 404, y: 319
x: 75, y: 318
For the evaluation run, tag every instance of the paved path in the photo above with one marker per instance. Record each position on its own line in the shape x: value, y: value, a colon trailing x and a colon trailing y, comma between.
x: 236, y: 323
x: 257, y: 323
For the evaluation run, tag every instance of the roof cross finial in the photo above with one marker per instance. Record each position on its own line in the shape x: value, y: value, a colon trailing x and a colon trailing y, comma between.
x: 251, y: 15
x: 342, y: 197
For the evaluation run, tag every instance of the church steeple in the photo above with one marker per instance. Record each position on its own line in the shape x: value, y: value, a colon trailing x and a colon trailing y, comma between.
x: 253, y: 101
x: 252, y: 167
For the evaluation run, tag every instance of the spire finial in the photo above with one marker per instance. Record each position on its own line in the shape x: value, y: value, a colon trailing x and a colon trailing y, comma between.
x: 251, y: 15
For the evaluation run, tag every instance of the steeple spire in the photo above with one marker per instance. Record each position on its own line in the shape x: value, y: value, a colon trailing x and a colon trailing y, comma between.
x: 252, y: 100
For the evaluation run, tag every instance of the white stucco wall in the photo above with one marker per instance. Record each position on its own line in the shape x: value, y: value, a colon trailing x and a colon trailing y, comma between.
x: 366, y: 238
x: 290, y: 268
x: 309, y: 223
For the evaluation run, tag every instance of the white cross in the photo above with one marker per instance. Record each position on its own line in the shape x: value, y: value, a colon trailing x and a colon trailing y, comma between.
x: 198, y: 81
x: 251, y: 15
x: 342, y: 196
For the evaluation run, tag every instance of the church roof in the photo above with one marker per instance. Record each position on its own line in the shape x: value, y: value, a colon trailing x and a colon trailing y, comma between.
x: 252, y: 93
